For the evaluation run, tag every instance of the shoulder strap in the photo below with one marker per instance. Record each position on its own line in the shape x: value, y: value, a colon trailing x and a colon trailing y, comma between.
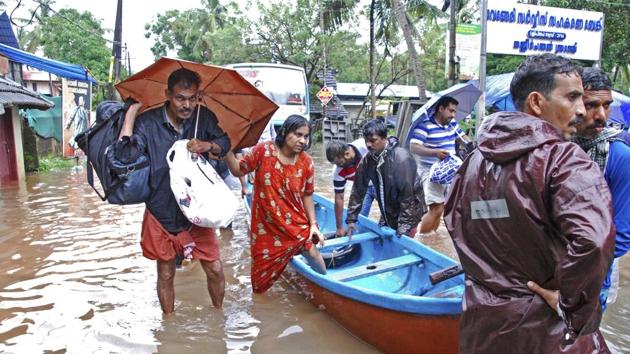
x: 107, y: 192
x: 90, y: 167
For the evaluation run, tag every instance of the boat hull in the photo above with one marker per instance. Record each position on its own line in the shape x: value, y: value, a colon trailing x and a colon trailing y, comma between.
x: 389, y: 331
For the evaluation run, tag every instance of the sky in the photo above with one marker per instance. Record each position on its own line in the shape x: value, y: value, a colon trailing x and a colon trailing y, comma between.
x: 136, y: 13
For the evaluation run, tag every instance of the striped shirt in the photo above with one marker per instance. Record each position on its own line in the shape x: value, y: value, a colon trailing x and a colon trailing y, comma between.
x: 343, y: 174
x: 433, y: 135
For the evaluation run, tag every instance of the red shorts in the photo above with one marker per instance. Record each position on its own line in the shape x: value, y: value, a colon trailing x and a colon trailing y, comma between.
x: 159, y: 244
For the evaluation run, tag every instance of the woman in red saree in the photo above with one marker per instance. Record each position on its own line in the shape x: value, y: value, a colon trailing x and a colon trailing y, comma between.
x: 283, y: 215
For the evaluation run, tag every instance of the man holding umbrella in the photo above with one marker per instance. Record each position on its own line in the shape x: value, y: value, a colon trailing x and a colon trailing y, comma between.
x: 166, y: 232
x: 433, y: 140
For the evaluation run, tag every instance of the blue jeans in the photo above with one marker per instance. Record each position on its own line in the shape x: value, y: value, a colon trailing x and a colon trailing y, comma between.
x: 370, y: 195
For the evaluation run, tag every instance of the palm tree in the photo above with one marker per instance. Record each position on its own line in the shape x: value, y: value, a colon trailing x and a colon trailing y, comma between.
x: 337, y: 12
x: 391, y: 15
x: 30, y: 40
x: 206, y: 22
x: 418, y: 9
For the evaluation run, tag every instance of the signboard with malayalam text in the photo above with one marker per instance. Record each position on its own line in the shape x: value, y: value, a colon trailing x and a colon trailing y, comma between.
x: 77, y: 101
x: 521, y: 29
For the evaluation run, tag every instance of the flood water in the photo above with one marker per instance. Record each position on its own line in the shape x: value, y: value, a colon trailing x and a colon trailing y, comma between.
x: 74, y: 280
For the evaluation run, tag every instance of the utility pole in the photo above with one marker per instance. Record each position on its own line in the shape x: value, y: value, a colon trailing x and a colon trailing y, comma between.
x: 114, y: 63
x: 481, y: 105
x: 117, y: 46
x: 452, y: 73
x: 128, y: 60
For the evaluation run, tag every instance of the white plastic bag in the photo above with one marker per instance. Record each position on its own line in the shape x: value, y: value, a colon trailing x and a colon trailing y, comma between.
x: 199, y: 190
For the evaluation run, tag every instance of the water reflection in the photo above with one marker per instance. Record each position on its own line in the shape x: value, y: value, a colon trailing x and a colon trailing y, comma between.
x: 615, y: 323
x: 74, y: 280
x: 70, y: 261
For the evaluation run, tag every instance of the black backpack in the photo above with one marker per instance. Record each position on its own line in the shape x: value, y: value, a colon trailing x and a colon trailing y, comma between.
x: 122, y: 182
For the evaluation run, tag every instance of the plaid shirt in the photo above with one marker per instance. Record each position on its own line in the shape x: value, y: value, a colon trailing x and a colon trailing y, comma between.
x: 599, y: 147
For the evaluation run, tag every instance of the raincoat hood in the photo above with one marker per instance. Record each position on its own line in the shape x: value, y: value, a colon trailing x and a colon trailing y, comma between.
x: 506, y: 136
x: 529, y: 206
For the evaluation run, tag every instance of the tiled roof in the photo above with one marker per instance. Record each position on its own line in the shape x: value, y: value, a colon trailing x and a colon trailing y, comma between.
x: 7, y: 36
x: 13, y: 94
x: 334, y: 109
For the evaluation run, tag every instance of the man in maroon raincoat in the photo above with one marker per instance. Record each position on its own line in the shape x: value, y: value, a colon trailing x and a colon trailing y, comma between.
x: 530, y: 216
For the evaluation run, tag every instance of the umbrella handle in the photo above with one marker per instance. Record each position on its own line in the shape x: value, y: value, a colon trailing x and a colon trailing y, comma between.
x: 197, y: 119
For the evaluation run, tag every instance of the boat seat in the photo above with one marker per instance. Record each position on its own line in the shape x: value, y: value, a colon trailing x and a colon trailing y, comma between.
x: 367, y: 270
x: 345, y: 240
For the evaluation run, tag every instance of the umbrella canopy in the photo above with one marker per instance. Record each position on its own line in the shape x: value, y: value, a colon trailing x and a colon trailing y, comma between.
x: 498, y: 96
x: 242, y: 111
x: 466, y: 94
x: 620, y: 109
x: 498, y: 91
x: 625, y: 109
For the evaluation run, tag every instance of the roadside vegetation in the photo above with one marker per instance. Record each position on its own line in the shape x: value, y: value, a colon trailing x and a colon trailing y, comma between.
x: 55, y: 163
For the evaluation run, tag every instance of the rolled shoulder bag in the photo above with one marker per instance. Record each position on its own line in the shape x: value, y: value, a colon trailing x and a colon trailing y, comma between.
x: 201, y: 193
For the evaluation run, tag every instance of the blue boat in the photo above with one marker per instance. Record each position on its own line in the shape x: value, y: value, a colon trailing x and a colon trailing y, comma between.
x: 378, y: 287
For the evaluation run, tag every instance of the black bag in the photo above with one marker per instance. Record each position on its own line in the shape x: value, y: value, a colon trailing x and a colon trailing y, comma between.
x: 464, y: 148
x: 123, y: 182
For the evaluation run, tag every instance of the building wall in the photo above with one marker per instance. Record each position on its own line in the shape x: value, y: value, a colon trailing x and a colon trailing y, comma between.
x: 353, y: 112
x: 17, y: 136
x: 43, y: 87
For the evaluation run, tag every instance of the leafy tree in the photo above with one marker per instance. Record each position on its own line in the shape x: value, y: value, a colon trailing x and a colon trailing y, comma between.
x: 616, y: 50
x: 406, y: 14
x: 432, y: 43
x: 406, y: 27
x: 386, y: 18
x: 76, y: 38
x: 616, y: 46
x: 349, y: 58
x: 288, y: 33
x: 282, y: 34
x: 337, y: 13
x: 188, y: 32
x: 30, y: 39
x: 163, y: 29
x: 501, y: 64
x: 232, y: 45
x: 214, y: 34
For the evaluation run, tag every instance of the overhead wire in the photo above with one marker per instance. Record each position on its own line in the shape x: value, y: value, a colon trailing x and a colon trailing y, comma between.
x: 29, y: 21
x: 76, y: 24
x: 113, y: 42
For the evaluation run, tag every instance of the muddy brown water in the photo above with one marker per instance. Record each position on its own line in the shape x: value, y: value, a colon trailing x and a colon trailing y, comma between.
x: 74, y: 280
